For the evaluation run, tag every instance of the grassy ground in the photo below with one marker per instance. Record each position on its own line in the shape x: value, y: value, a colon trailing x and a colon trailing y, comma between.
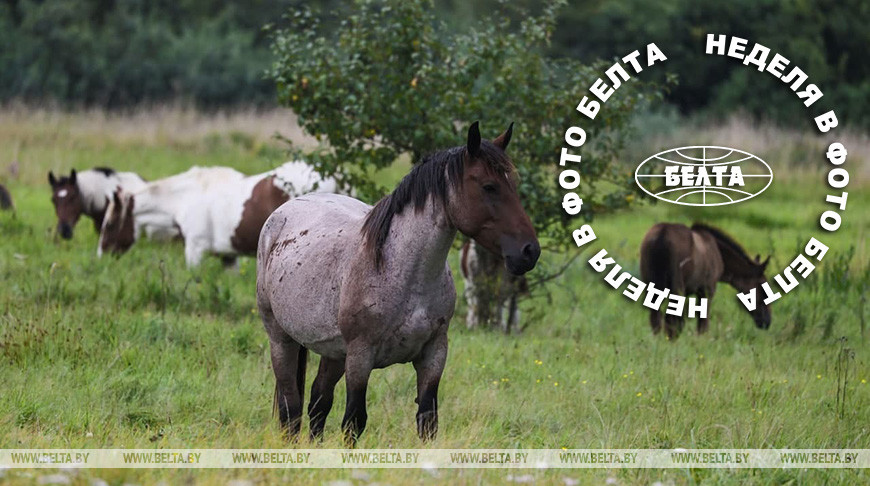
x: 140, y: 352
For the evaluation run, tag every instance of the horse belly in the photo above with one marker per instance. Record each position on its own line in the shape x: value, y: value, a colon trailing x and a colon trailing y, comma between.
x: 305, y: 299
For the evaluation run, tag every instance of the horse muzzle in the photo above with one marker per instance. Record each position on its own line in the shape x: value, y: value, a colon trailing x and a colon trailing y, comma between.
x: 522, y: 261
x: 762, y: 321
x: 65, y: 231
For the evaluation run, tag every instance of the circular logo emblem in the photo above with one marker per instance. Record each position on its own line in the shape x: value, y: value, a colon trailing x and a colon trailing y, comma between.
x: 703, y: 175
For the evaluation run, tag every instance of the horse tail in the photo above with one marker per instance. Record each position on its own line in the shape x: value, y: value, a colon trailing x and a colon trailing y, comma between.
x: 275, y: 399
x: 657, y: 259
x: 300, y: 373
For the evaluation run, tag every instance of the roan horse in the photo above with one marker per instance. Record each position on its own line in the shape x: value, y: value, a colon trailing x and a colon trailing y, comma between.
x: 691, y: 261
x: 87, y: 193
x: 366, y: 287
x: 216, y: 210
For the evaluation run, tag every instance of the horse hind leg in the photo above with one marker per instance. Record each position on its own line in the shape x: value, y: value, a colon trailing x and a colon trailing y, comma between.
x: 288, y: 363
x: 513, y: 319
x: 673, y: 326
x: 322, y: 394
x: 655, y: 321
x: 471, y: 319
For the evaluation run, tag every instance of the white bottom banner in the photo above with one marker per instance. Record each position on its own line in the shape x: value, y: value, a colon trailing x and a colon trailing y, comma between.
x: 434, y: 458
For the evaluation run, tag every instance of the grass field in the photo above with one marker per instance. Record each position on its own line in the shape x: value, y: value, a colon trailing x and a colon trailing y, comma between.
x: 141, y: 352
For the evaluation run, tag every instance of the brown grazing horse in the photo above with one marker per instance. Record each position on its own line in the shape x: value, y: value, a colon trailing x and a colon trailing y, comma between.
x: 691, y: 261
x: 367, y: 287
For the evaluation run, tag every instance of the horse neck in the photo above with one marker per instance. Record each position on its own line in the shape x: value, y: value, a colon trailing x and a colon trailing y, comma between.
x: 733, y: 264
x: 150, y: 209
x: 94, y: 187
x: 419, y: 243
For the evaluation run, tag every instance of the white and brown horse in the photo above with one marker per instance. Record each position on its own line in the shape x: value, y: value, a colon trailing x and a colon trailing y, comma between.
x: 87, y: 192
x: 691, y: 261
x: 216, y: 210
x: 366, y: 287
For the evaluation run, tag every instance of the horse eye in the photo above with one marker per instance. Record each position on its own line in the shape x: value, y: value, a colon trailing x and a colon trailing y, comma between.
x: 490, y: 188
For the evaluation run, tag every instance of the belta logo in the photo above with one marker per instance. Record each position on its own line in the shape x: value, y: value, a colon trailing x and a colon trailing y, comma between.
x: 703, y: 176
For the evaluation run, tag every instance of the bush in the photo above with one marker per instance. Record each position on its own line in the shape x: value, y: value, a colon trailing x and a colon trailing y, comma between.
x: 395, y: 80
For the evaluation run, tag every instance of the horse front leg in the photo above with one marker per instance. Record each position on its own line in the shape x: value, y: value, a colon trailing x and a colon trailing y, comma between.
x: 322, y: 394
x: 471, y: 318
x: 357, y: 368
x: 194, y: 250
x: 704, y: 322
x: 429, y: 366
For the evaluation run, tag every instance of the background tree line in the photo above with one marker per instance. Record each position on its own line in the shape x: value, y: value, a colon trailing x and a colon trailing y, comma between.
x: 120, y: 53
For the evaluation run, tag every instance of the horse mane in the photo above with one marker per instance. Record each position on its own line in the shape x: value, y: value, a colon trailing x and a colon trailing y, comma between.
x: 724, y: 239
x: 431, y: 177
x: 63, y: 180
x: 106, y: 171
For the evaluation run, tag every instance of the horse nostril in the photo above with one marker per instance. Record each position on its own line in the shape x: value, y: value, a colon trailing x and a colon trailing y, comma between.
x: 531, y: 251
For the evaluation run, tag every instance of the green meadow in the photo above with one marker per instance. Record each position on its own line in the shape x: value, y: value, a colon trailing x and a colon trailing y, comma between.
x: 140, y: 352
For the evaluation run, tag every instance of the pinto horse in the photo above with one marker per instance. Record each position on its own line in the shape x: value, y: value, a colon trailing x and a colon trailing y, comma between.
x: 215, y: 209
x: 691, y: 261
x: 367, y: 287
x: 87, y: 193
x: 491, y: 292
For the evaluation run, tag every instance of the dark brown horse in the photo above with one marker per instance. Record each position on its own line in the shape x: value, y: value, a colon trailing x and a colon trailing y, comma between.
x: 691, y: 261
x: 5, y: 198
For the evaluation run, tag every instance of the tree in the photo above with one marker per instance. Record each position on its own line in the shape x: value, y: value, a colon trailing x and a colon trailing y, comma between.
x: 394, y: 80
x: 825, y: 38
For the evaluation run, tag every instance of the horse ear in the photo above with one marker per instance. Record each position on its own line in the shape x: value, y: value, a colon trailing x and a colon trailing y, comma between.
x: 51, y: 179
x: 116, y: 196
x: 504, y: 139
x: 72, y: 176
x: 766, y: 261
x: 473, y: 139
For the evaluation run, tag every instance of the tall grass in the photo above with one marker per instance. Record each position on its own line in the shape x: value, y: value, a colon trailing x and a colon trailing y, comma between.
x: 138, y: 351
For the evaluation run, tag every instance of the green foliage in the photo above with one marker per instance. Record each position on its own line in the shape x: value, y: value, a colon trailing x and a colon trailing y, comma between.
x: 85, y: 365
x: 395, y: 80
x: 116, y: 54
x: 826, y: 39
